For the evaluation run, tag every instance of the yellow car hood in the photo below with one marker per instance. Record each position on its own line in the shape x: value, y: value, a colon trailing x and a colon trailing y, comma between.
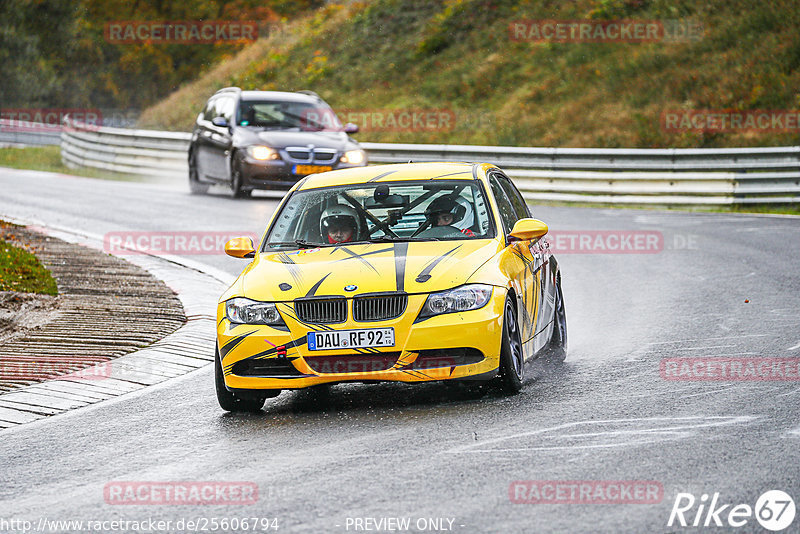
x: 413, y: 267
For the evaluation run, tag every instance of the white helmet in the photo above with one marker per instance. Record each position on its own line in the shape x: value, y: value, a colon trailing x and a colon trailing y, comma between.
x: 469, y: 214
x: 337, y: 216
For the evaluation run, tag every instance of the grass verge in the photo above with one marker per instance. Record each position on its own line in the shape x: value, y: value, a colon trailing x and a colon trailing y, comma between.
x: 48, y: 159
x: 20, y: 270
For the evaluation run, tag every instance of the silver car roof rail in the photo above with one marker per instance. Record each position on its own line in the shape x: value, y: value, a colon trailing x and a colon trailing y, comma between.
x: 309, y: 93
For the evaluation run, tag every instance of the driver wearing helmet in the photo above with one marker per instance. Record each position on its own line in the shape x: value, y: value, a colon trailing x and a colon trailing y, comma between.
x: 445, y: 211
x: 339, y: 224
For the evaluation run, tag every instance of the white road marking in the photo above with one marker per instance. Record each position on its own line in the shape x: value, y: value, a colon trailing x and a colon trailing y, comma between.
x: 681, y: 427
x: 706, y: 339
x: 648, y: 372
x: 707, y: 355
x: 795, y: 347
x: 666, y: 392
x: 705, y: 348
x: 731, y: 354
x: 732, y: 386
x: 788, y: 312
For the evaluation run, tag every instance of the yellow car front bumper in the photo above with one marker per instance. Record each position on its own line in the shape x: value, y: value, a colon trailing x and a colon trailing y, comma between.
x: 463, y: 345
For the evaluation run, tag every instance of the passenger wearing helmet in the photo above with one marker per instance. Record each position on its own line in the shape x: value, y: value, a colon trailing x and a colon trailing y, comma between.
x: 445, y: 211
x: 339, y: 224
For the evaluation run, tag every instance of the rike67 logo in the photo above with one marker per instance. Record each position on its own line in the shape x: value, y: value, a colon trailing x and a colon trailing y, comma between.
x: 774, y: 511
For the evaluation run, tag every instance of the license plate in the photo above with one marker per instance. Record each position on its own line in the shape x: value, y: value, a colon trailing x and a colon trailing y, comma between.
x: 311, y: 169
x: 351, y: 339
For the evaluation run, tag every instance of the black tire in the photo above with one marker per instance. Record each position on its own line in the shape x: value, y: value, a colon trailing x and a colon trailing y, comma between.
x: 196, y: 187
x: 557, y: 347
x: 236, y: 180
x: 512, y: 357
x: 237, y: 402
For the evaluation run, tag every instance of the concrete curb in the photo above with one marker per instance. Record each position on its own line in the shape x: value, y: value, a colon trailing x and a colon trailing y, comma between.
x: 187, y: 349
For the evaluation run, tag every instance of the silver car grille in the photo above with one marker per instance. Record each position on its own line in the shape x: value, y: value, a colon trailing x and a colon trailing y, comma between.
x: 321, y: 310
x: 379, y: 307
x: 301, y: 154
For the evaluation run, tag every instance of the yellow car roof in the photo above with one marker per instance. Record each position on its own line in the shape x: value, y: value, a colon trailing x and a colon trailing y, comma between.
x: 393, y: 173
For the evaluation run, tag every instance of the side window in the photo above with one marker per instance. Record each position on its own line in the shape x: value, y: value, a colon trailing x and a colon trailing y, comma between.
x: 210, y: 110
x: 507, y: 213
x: 226, y: 107
x: 513, y: 194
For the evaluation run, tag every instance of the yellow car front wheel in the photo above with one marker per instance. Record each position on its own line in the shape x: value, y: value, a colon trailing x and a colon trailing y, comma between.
x: 245, y: 401
x: 512, y: 358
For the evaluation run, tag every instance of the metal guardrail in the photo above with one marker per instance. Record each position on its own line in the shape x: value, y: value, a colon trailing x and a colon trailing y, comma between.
x: 13, y: 133
x: 125, y: 151
x: 585, y: 175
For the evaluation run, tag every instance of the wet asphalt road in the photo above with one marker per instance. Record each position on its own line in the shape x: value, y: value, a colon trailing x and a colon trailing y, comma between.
x: 423, y: 452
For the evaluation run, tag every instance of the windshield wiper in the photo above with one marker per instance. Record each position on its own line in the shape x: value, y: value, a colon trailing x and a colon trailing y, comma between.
x: 302, y: 243
x: 396, y: 239
x: 301, y: 121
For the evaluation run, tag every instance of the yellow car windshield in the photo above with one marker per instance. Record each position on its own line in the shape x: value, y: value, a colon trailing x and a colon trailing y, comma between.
x: 417, y: 210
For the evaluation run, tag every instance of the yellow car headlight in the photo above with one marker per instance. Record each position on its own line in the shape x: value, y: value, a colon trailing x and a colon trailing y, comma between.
x: 262, y: 153
x: 245, y: 311
x: 354, y: 156
x: 464, y: 298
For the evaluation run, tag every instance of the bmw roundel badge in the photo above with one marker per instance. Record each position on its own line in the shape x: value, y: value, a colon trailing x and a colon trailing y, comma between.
x: 351, y: 287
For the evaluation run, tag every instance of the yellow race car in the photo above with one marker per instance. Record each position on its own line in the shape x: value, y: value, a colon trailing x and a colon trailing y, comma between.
x: 410, y: 273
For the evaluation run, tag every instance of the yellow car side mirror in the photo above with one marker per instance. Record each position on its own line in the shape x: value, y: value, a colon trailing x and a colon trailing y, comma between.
x: 240, y: 247
x: 528, y: 229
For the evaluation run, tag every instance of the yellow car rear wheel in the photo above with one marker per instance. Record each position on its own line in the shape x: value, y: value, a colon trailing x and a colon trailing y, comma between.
x: 557, y: 349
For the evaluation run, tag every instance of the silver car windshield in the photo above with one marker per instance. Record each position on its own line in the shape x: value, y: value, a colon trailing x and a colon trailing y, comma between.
x: 275, y: 114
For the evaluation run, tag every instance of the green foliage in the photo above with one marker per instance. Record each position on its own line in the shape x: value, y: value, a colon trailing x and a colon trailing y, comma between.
x: 616, y: 9
x: 21, y: 271
x: 47, y: 158
x: 457, y: 55
x: 23, y: 73
x: 55, y: 53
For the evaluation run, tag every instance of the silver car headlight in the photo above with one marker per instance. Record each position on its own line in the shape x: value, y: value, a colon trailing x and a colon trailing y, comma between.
x: 262, y: 153
x: 460, y: 299
x: 354, y: 156
x: 245, y: 311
